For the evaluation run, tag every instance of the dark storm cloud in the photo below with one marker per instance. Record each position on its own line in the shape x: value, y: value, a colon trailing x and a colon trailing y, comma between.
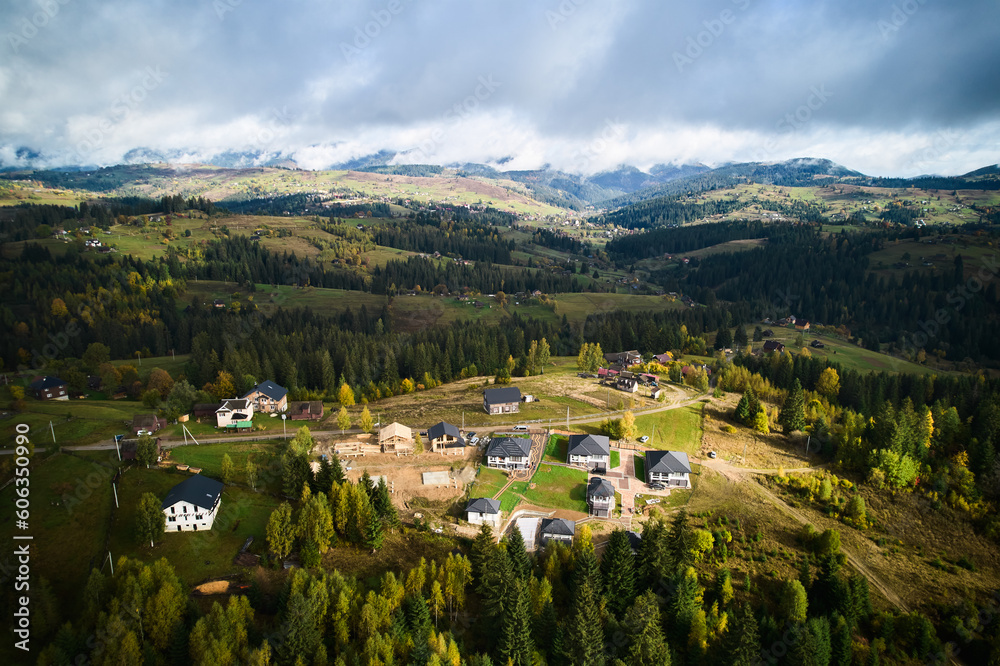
x: 867, y: 83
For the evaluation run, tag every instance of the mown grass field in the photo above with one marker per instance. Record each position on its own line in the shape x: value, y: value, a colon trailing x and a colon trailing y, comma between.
x: 674, y: 429
x: 555, y: 487
x: 73, y: 421
x: 265, y: 455
x: 849, y: 355
x: 488, y: 482
x: 556, y: 450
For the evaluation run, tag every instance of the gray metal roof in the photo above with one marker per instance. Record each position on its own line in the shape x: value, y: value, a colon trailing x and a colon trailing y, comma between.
x: 599, y: 487
x: 198, y: 490
x: 589, y: 445
x: 559, y: 526
x: 483, y: 505
x: 45, y: 383
x: 270, y: 389
x: 667, y: 462
x: 504, y: 447
x: 441, y: 429
x: 500, y: 396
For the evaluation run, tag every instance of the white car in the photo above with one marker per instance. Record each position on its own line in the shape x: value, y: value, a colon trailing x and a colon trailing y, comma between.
x: 520, y: 427
x: 644, y: 439
x: 474, y: 440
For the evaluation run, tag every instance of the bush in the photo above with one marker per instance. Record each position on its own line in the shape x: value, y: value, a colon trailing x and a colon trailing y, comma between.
x: 728, y: 428
x: 966, y: 563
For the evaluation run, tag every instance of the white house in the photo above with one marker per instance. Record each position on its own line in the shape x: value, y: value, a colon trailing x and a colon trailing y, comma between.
x: 671, y: 468
x: 233, y: 412
x: 508, y: 453
x: 592, y: 451
x: 483, y: 510
x: 268, y: 397
x: 600, y: 497
x: 558, y: 529
x: 192, y: 504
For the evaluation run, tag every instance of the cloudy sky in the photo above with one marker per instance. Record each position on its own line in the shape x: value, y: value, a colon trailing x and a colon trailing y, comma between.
x: 889, y: 88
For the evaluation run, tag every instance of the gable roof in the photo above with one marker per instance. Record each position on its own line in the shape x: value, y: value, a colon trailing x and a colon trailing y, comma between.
x: 504, y: 447
x: 500, y: 396
x: 559, y: 526
x: 306, y: 407
x: 773, y: 345
x: 270, y: 389
x: 441, y: 429
x: 599, y: 487
x: 46, y: 382
x: 146, y: 421
x: 483, y: 505
x: 667, y: 462
x: 395, y: 430
x: 233, y: 405
x: 589, y: 445
x: 198, y: 490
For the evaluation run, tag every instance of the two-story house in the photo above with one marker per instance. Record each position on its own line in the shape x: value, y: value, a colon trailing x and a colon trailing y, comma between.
x: 396, y: 438
x: 600, y: 497
x: 671, y: 468
x: 558, y: 529
x: 505, y: 400
x: 49, y: 388
x: 234, y: 413
x: 591, y: 451
x: 483, y: 510
x: 192, y: 504
x: 268, y: 397
x: 446, y: 438
x: 508, y: 453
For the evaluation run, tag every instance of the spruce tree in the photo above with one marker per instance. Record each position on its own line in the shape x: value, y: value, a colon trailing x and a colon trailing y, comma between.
x: 515, y: 645
x: 647, y: 645
x: 618, y: 571
x: 680, y: 542
x: 583, y: 641
x: 793, y: 416
x: 518, y: 555
x: 383, y: 505
x: 742, y: 641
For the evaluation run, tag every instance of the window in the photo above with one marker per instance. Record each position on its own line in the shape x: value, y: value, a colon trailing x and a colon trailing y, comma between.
x: 173, y: 509
x: 198, y: 517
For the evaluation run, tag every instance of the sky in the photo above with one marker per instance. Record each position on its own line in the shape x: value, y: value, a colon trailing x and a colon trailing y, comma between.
x: 898, y: 88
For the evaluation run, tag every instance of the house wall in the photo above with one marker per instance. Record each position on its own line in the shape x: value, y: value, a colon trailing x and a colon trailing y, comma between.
x: 672, y: 480
x: 502, y: 408
x: 600, y: 461
x: 186, y: 517
x: 487, y: 518
x: 507, y: 463
x: 557, y: 537
x: 55, y: 393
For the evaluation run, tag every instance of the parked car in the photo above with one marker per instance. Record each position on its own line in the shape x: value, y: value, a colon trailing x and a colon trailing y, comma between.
x: 711, y: 454
x: 520, y: 427
x: 657, y: 486
x: 644, y: 439
x: 474, y: 439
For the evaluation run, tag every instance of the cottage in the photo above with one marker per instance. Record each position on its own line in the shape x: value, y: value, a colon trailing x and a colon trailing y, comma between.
x: 600, y: 497
x: 310, y: 410
x: 445, y: 438
x: 625, y: 358
x: 802, y: 325
x: 592, y: 451
x: 482, y: 510
x: 817, y: 344
x: 49, y: 388
x: 192, y: 504
x: 219, y: 303
x: 235, y: 411
x: 148, y: 423
x: 773, y: 345
x: 664, y: 358
x: 627, y: 384
x: 268, y: 397
x: 396, y: 438
x: 558, y: 529
x: 670, y: 468
x: 506, y: 400
x: 509, y: 453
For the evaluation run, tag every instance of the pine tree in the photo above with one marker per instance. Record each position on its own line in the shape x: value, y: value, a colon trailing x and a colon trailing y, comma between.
x: 383, y: 505
x: 618, y: 571
x: 680, y: 542
x: 584, y: 633
x: 742, y: 642
x: 647, y: 645
x: 374, y: 532
x: 515, y: 645
x: 743, y: 407
x: 792, y: 416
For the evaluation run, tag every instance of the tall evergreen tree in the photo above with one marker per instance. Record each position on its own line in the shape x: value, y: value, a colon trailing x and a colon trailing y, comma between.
x: 742, y: 642
x: 793, y: 415
x: 681, y: 542
x: 618, y: 571
x: 518, y: 554
x: 583, y: 642
x: 515, y: 645
x: 647, y: 645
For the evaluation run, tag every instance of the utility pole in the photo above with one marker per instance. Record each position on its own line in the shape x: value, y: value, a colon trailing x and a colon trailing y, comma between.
x: 112, y: 563
x: 53, y: 429
x: 116, y: 494
x: 567, y: 417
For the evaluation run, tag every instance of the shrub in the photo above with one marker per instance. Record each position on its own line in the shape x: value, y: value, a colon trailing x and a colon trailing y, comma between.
x: 966, y: 563
x: 728, y: 429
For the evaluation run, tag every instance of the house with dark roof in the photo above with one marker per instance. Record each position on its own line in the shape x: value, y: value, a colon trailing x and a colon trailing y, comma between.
x: 268, y: 397
x: 817, y: 344
x: 445, y: 438
x: 773, y: 345
x: 600, y: 497
x: 625, y: 358
x: 664, y: 358
x: 671, y: 468
x: 801, y: 325
x: 627, y: 384
x: 49, y: 388
x: 558, y: 529
x: 508, y: 453
x: 592, y: 451
x: 505, y: 400
x: 192, y: 504
x: 481, y: 510
x: 308, y: 410
x: 149, y: 423
x: 233, y: 412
